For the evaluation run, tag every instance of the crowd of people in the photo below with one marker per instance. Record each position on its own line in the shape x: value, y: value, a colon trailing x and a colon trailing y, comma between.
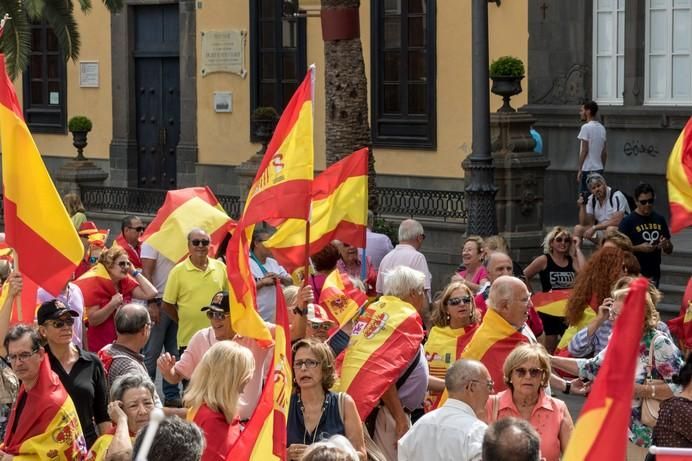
x: 476, y: 374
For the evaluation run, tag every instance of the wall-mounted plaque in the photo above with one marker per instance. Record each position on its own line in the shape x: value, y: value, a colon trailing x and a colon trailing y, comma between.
x: 89, y: 74
x: 224, y: 51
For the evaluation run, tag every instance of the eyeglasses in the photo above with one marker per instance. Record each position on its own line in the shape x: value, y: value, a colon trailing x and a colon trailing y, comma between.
x: 533, y: 372
x: 124, y: 264
x: 647, y: 202
x: 307, y: 363
x: 22, y: 356
x: 320, y: 325
x: 562, y: 239
x: 457, y: 301
x: 211, y: 315
x: 61, y: 323
x: 198, y: 242
x: 489, y: 383
x: 138, y: 229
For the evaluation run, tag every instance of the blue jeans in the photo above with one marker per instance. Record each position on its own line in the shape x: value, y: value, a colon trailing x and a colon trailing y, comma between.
x: 164, y: 335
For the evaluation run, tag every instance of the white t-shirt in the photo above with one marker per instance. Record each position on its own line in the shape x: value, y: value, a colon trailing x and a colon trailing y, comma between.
x: 595, y: 135
x: 266, y: 296
x: 162, y: 268
x: 610, y: 206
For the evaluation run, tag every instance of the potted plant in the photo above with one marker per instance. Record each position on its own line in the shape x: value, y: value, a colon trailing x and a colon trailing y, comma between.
x: 264, y: 121
x: 79, y: 126
x: 506, y: 73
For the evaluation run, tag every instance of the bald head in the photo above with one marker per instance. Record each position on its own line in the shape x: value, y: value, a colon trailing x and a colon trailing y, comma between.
x: 510, y: 298
x: 131, y: 319
x: 461, y: 372
x: 499, y: 264
x: 511, y: 439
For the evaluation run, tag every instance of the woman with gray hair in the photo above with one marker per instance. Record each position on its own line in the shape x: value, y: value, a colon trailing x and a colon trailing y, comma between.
x: 131, y: 402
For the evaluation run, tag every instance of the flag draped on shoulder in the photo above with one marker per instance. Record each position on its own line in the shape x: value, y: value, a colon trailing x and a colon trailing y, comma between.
x: 96, y: 285
x: 681, y: 326
x: 679, y: 176
x: 552, y: 302
x: 182, y: 210
x: 37, y: 225
x: 384, y: 342
x: 340, y: 298
x: 492, y: 343
x: 339, y: 211
x: 601, y: 431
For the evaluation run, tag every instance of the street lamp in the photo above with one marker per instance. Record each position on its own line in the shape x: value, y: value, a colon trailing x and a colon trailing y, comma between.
x: 479, y: 172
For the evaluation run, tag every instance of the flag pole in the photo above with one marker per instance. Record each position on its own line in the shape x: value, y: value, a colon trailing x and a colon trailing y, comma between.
x: 306, y: 264
x: 18, y: 299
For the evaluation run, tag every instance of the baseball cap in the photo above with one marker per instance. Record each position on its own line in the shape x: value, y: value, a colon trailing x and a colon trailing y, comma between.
x: 317, y: 314
x: 87, y: 228
x: 219, y: 303
x: 52, y: 310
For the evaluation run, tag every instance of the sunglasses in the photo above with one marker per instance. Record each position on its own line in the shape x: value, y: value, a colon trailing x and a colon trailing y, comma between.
x: 61, y: 323
x: 138, y: 229
x: 647, y: 202
x: 562, y: 239
x: 211, y: 315
x: 533, y: 372
x: 320, y: 326
x: 457, y: 301
x: 198, y: 242
x: 124, y: 264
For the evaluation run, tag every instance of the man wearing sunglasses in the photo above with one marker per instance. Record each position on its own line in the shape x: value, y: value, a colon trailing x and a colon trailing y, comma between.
x: 648, y: 231
x: 318, y: 323
x: 219, y: 314
x: 131, y: 230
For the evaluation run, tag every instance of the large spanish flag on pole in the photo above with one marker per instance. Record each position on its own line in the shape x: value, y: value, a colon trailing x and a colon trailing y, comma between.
x: 36, y: 223
x: 601, y: 431
x: 339, y: 211
x: 182, y: 210
x: 492, y: 343
x: 383, y: 343
x: 679, y: 177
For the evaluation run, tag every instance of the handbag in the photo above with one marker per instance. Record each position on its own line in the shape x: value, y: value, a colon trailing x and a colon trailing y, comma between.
x: 650, y: 405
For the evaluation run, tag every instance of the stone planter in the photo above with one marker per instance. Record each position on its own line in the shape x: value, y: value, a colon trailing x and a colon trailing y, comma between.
x: 79, y: 140
x: 506, y: 87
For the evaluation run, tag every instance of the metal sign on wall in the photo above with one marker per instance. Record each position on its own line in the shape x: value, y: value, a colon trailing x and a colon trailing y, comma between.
x: 224, y: 51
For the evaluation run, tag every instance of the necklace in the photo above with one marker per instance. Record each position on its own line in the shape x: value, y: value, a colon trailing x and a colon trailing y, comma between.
x: 319, y: 420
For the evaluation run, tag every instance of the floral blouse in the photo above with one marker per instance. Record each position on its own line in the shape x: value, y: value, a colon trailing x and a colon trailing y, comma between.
x: 667, y: 362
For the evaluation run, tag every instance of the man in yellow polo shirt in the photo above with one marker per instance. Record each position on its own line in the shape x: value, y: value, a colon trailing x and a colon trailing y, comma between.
x: 191, y: 284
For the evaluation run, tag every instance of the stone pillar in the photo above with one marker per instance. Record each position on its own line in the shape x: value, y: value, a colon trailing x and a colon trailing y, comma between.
x: 76, y: 173
x: 519, y: 176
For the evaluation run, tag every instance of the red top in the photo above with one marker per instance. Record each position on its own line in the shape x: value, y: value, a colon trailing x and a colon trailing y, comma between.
x: 220, y: 435
x: 132, y: 253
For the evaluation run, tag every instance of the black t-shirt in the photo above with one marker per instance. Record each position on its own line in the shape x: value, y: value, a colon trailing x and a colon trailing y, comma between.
x: 555, y: 277
x: 86, y: 384
x: 649, y: 229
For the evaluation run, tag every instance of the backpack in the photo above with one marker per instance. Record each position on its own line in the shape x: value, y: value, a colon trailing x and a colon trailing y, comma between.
x: 630, y: 201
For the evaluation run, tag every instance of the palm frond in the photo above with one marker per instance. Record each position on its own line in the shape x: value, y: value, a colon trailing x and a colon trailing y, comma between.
x: 114, y: 5
x: 61, y: 19
x: 34, y: 9
x: 85, y: 5
x: 15, y: 41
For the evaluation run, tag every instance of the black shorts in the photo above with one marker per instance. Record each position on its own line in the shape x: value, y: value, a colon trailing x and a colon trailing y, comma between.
x: 552, y: 325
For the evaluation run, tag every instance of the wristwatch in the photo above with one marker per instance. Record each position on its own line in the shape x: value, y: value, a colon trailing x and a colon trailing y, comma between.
x: 568, y: 386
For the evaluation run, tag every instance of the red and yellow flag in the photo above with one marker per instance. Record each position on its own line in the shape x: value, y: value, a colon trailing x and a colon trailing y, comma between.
x: 383, y: 343
x: 679, y: 175
x: 36, y: 223
x: 182, y: 210
x: 601, y: 431
x: 264, y: 437
x: 340, y: 298
x: 681, y: 326
x: 48, y: 427
x: 492, y: 343
x: 552, y: 302
x: 339, y: 211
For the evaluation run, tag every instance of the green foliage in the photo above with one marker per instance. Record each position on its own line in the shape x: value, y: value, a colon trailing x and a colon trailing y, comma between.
x: 79, y: 123
x: 265, y: 113
x: 507, y: 66
x: 15, y: 41
x: 385, y: 227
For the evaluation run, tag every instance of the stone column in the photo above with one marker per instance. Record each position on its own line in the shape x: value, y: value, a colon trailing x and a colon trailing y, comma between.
x: 76, y: 173
x: 519, y: 176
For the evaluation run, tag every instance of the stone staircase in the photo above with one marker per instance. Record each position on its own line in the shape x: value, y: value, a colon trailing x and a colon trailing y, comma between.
x: 676, y: 270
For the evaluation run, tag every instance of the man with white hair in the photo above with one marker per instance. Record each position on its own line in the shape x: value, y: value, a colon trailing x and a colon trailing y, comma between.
x: 454, y: 429
x: 411, y: 237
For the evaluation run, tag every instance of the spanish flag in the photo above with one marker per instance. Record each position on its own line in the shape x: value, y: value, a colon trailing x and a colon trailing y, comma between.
x: 340, y: 298
x: 601, y: 431
x: 679, y: 177
x: 339, y: 211
x: 492, y: 343
x: 681, y: 326
x: 36, y: 223
x: 182, y: 210
x: 384, y: 341
x: 48, y: 427
x: 25, y: 306
x: 264, y: 437
x: 552, y: 302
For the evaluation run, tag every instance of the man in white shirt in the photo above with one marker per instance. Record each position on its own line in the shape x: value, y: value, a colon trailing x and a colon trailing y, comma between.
x: 266, y: 270
x: 376, y: 245
x: 453, y: 431
x: 592, y: 145
x: 602, y: 211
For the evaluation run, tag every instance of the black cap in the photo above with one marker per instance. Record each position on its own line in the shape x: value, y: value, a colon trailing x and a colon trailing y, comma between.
x: 52, y: 310
x: 219, y: 303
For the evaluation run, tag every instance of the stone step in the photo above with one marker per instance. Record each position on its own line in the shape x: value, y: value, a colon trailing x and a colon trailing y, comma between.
x: 678, y: 258
x: 675, y: 275
x: 672, y: 297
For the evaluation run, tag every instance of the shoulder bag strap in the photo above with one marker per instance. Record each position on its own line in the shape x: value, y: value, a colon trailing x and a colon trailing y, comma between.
x: 341, y: 397
x: 650, y: 365
x: 402, y: 379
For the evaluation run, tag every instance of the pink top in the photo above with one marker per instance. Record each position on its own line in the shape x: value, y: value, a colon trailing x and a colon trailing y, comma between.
x: 481, y: 273
x: 546, y: 418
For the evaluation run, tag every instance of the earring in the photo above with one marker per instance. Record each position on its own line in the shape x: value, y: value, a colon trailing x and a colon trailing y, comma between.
x: 449, y: 317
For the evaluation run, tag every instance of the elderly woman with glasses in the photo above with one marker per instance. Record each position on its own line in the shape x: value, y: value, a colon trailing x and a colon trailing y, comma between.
x: 454, y: 319
x: 527, y: 373
x: 106, y: 287
x: 131, y: 402
x: 316, y: 413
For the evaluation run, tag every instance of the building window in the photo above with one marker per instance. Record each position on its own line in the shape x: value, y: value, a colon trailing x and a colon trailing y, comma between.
x: 278, y: 54
x: 403, y: 73
x: 44, y: 82
x: 668, y: 52
x: 609, y: 51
